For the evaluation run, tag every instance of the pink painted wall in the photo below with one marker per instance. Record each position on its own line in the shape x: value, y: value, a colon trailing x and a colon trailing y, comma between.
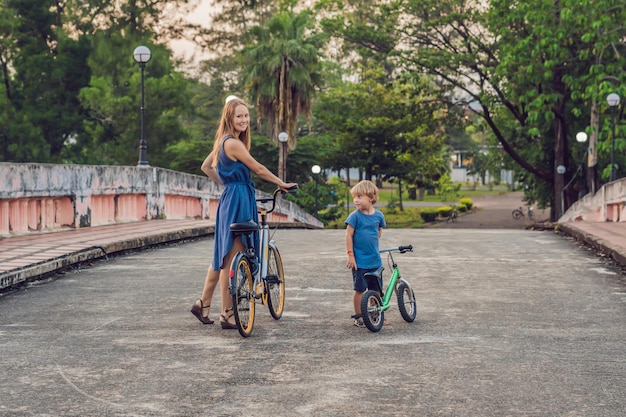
x: 608, y: 204
x: 40, y: 197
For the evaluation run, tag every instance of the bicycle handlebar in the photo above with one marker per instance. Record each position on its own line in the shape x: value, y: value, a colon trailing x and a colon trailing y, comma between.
x: 401, y: 249
x: 273, y: 199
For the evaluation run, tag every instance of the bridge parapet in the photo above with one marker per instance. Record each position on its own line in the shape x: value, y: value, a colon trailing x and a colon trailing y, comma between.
x: 608, y: 204
x: 48, y: 197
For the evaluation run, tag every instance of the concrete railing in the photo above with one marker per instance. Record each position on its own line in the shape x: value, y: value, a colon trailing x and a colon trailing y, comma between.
x: 48, y: 197
x: 608, y: 204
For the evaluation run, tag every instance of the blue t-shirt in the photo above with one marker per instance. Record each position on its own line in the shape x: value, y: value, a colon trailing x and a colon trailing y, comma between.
x: 365, y: 238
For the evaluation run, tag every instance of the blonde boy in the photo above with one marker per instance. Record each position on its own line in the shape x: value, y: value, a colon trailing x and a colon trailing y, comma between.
x: 364, y: 227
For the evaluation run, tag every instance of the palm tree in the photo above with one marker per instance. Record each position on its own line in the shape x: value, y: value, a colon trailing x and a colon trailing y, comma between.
x: 281, y: 71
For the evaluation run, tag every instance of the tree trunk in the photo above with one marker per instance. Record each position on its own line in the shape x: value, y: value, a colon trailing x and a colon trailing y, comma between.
x: 593, y: 182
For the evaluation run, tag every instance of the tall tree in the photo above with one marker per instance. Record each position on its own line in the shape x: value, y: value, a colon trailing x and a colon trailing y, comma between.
x: 390, y: 129
x: 520, y: 61
x: 282, y: 70
x: 113, y: 95
x: 44, y: 69
x: 603, y: 24
x: 113, y: 103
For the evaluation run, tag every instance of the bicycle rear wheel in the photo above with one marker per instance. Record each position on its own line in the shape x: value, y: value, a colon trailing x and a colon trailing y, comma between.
x: 517, y: 214
x: 242, y: 291
x: 373, y: 316
x: 406, y: 302
x: 275, y: 283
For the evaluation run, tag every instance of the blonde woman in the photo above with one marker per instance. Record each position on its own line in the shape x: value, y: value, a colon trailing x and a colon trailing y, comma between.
x: 230, y: 164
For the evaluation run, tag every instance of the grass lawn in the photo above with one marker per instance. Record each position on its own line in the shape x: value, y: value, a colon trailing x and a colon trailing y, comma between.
x: 389, y: 190
x: 410, y: 217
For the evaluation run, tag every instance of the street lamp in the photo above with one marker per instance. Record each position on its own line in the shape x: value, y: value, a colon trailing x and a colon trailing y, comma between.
x: 581, y: 137
x: 142, y: 55
x: 315, y: 169
x: 613, y: 100
x: 283, y: 138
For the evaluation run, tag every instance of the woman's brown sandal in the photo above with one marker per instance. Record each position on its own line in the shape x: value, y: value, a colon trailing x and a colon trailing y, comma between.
x: 197, y: 311
x: 224, y: 320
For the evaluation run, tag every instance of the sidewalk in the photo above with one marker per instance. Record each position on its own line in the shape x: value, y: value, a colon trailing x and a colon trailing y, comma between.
x: 608, y: 238
x: 34, y: 256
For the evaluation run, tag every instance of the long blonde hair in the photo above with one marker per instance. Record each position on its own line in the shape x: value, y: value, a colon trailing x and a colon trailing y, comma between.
x: 226, y: 127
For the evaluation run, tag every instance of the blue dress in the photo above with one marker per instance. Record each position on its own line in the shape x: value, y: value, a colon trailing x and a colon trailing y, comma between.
x: 237, y: 204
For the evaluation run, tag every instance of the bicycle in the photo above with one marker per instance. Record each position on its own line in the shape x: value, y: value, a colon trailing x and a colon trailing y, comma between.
x: 454, y: 214
x: 518, y: 213
x: 373, y: 306
x: 268, y: 283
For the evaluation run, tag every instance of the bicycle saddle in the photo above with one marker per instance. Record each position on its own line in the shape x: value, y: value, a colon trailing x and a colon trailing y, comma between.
x: 244, y: 228
x: 375, y: 274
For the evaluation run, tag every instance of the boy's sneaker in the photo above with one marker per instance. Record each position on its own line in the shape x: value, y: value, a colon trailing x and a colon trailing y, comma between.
x: 359, y: 322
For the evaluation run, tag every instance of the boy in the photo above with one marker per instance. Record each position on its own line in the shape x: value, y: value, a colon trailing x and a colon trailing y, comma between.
x: 364, y: 227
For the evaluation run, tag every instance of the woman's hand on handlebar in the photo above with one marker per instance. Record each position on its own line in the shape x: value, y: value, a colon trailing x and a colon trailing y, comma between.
x: 285, y: 187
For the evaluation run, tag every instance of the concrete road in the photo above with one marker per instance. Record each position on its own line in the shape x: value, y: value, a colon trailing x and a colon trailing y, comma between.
x: 510, y: 323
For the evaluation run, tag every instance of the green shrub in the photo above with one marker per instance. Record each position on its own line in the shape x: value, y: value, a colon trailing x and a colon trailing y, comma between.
x: 429, y: 214
x: 444, y: 211
x: 467, y: 202
x: 407, y: 218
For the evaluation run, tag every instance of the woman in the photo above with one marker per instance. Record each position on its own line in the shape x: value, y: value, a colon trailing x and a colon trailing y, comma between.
x: 230, y: 164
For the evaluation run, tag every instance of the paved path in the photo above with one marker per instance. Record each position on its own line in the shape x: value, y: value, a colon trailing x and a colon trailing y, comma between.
x: 511, y: 322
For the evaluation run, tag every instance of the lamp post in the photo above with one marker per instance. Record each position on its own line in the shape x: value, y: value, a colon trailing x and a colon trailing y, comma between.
x: 283, y: 138
x: 142, y: 55
x: 581, y: 138
x: 613, y: 101
x: 561, y: 170
x: 315, y: 169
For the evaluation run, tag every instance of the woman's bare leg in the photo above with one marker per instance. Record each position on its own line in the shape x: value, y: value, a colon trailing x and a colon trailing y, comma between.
x: 210, y: 282
x: 227, y: 302
x: 201, y: 308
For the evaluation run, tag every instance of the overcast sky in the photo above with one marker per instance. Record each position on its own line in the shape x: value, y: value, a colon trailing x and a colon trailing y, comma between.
x: 200, y: 16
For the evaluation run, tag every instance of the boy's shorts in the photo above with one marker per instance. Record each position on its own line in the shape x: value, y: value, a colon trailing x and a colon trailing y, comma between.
x: 361, y: 284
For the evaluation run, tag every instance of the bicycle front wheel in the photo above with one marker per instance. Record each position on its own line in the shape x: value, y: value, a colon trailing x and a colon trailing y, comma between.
x: 373, y: 316
x: 517, y: 214
x: 406, y: 302
x: 275, y: 283
x: 242, y: 290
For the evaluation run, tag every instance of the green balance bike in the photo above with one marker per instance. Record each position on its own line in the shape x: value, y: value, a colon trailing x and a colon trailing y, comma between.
x: 373, y: 306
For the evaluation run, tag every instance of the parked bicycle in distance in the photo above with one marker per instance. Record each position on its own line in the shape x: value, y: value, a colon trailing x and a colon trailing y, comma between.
x: 373, y: 306
x: 518, y: 213
x: 454, y: 215
x: 268, y: 283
